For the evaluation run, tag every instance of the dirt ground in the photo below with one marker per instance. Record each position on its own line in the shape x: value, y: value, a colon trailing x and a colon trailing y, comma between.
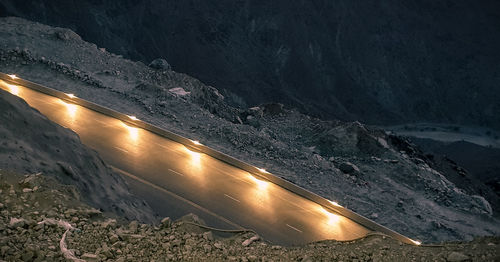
x: 32, y: 205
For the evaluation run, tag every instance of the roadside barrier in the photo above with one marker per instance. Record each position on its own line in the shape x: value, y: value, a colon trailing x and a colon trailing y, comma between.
x: 196, y: 145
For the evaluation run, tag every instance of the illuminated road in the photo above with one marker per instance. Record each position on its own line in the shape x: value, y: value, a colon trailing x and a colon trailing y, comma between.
x: 175, y: 180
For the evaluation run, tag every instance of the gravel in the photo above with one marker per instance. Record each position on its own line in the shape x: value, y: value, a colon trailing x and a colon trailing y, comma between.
x: 99, y: 237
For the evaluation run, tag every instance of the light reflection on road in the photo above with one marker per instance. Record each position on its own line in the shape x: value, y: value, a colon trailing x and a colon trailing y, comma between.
x: 251, y: 201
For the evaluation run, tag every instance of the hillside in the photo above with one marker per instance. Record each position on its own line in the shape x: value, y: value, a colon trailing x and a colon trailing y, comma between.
x: 373, y: 173
x: 378, y: 63
x: 35, y: 216
x: 33, y: 144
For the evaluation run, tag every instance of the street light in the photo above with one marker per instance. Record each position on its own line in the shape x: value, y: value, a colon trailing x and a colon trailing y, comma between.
x: 262, y: 170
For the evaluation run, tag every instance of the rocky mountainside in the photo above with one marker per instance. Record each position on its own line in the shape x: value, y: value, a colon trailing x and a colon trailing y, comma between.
x: 380, y: 63
x: 378, y: 175
x: 30, y: 143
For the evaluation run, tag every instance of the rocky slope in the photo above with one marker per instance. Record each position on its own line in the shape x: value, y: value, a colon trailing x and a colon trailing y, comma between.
x: 382, y: 63
x: 34, y: 214
x: 31, y: 143
x: 478, y: 164
x: 376, y: 174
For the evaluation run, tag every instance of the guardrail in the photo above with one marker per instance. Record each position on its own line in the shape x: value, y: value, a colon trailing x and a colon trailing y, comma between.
x: 333, y: 206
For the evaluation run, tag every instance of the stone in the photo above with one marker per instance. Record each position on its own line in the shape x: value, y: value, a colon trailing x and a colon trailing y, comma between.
x: 91, y: 212
x: 208, y: 236
x: 106, y: 251
x: 166, y: 222
x: 17, y: 222
x: 110, y: 223
x: 67, y: 35
x: 4, y: 250
x: 179, y: 91
x: 133, y: 226
x: 27, y: 256
x: 348, y: 168
x: 161, y: 64
x: 306, y: 258
x: 90, y: 257
x: 457, y: 257
x: 250, y: 240
x: 207, y: 248
x: 273, y: 109
x: 218, y: 245
x: 136, y: 236
x: 114, y: 238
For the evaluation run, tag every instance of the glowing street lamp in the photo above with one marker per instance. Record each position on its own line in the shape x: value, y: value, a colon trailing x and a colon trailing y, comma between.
x: 262, y: 170
x: 71, y: 95
x: 196, y: 142
x: 13, y: 77
x: 334, y: 203
x: 133, y: 118
x: 416, y: 242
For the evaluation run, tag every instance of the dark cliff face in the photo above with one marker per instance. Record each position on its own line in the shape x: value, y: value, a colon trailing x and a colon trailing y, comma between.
x: 379, y: 62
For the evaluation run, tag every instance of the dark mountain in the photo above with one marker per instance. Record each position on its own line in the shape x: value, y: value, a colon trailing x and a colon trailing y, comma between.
x: 381, y: 62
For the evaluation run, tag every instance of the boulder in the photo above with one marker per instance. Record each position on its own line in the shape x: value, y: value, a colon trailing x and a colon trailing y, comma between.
x: 348, y: 168
x: 160, y: 64
x: 273, y: 109
x: 179, y: 91
x: 457, y: 257
x: 166, y: 222
x: 17, y: 222
x: 67, y: 35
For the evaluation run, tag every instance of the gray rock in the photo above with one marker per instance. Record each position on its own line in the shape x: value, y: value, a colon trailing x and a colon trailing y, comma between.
x: 133, y: 226
x: 192, y: 218
x: 110, y: 223
x: 166, y: 222
x: 250, y: 240
x: 27, y: 256
x: 90, y: 257
x: 17, y: 222
x: 30, y: 181
x: 207, y: 248
x: 252, y: 121
x: 179, y: 91
x: 67, y: 35
x: 272, y: 109
x: 218, y: 245
x: 114, y: 238
x: 306, y: 258
x: 161, y: 64
x: 208, y: 236
x: 348, y: 168
x: 457, y: 257
x: 255, y: 111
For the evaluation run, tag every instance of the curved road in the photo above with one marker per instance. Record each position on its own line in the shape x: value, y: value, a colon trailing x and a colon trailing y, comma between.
x: 175, y: 180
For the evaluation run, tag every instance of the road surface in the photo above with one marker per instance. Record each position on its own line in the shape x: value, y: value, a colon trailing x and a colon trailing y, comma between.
x: 175, y: 180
